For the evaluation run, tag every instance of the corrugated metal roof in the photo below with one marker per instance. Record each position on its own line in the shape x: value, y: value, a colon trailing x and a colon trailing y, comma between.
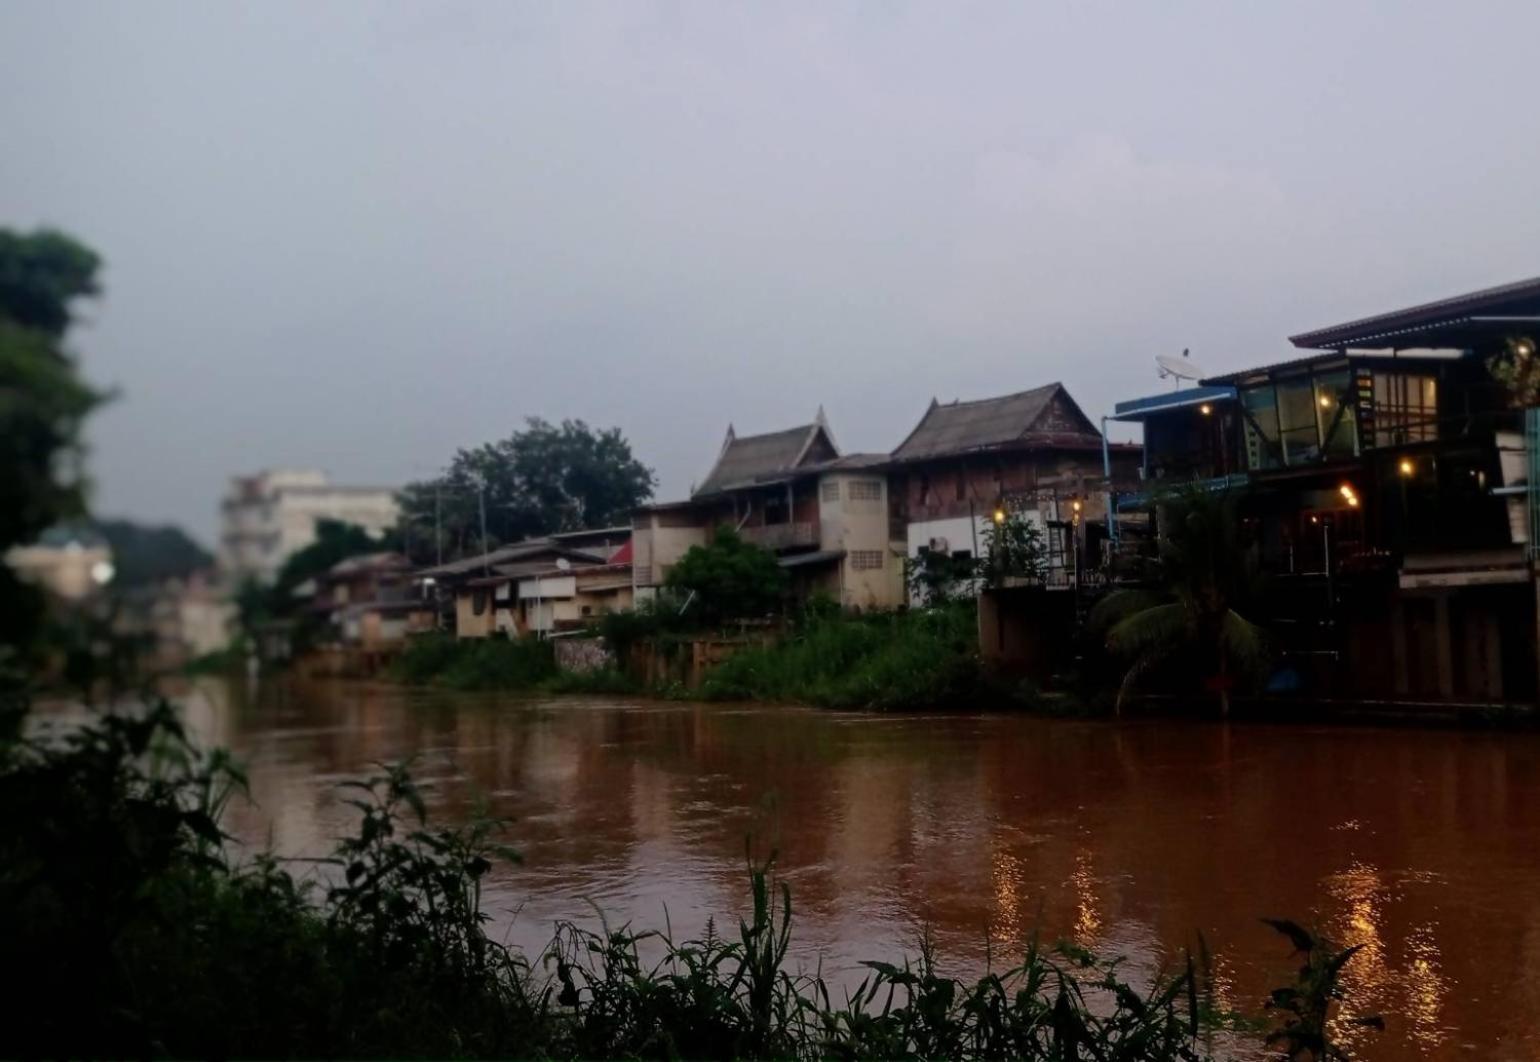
x: 507, y: 555
x: 1414, y: 320
x: 1139, y: 408
x: 992, y: 423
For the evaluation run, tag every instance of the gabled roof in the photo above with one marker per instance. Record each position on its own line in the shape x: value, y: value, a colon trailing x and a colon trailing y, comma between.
x: 1449, y: 321
x: 748, y: 460
x: 1012, y: 421
x: 383, y: 561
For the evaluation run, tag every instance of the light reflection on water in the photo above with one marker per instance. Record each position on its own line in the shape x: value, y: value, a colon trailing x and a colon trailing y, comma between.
x: 978, y: 830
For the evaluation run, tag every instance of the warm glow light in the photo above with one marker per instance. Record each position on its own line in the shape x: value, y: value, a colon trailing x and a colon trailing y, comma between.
x: 1406, y: 466
x: 1325, y: 402
x: 999, y: 516
x: 1524, y: 347
x: 1315, y: 519
x: 1075, y: 505
x: 1205, y: 409
x: 1346, y: 490
x: 1353, y: 501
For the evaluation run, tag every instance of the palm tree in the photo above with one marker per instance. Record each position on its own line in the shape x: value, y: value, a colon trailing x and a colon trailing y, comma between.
x: 1204, y: 574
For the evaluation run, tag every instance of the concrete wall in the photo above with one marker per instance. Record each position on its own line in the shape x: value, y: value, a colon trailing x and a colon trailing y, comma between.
x: 658, y: 540
x: 850, y: 519
x: 467, y: 623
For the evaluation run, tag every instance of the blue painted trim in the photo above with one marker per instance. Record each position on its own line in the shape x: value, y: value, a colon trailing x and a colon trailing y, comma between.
x: 1139, y: 408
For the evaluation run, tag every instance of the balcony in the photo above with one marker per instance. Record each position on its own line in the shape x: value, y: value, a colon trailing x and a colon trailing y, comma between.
x: 776, y: 537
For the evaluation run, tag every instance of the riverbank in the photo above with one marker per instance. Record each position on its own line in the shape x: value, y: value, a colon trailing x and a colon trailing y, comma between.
x: 140, y: 935
x: 893, y: 661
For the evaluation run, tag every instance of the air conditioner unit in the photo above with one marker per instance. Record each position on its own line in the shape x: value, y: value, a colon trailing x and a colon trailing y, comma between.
x: 940, y: 545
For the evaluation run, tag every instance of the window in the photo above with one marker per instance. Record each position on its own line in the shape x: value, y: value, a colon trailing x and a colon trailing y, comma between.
x: 866, y: 560
x: 1405, y: 409
x: 1334, y: 407
x: 1259, y: 406
x: 1297, y: 427
x: 866, y: 490
x: 831, y: 490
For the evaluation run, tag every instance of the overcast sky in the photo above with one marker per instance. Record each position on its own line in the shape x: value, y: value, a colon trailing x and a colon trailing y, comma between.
x: 358, y: 236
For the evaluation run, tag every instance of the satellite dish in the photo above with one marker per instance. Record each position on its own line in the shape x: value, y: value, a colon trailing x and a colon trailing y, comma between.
x: 1179, y: 368
x: 562, y: 564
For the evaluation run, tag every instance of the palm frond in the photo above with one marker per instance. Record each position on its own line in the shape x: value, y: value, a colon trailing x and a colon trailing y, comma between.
x: 1243, y: 642
x: 1161, y: 628
x: 1121, y: 604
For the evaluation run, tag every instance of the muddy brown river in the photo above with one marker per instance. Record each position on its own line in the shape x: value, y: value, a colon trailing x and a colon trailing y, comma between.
x: 1130, y: 838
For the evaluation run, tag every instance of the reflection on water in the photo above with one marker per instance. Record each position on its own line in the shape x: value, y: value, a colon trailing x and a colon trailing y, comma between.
x: 979, y: 830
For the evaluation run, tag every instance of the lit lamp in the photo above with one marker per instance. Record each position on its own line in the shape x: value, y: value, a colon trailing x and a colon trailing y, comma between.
x: 1205, y: 409
x: 1406, y: 467
x: 1524, y: 347
x: 999, y: 516
x: 1349, y: 495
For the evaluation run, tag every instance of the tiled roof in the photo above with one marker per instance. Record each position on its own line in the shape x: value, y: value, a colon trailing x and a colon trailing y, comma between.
x: 750, y: 459
x: 993, y: 423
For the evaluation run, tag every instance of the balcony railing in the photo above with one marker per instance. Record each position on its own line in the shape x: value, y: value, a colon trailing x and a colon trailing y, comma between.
x: 782, y: 536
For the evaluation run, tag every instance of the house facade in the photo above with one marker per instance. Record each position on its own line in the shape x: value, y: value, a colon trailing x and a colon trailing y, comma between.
x: 268, y: 517
x: 822, y: 513
x: 1386, y: 476
x: 1034, y: 452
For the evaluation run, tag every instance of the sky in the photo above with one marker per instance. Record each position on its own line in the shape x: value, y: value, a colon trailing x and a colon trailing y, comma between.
x: 357, y: 236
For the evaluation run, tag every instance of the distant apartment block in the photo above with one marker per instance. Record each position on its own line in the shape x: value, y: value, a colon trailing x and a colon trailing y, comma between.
x: 268, y: 517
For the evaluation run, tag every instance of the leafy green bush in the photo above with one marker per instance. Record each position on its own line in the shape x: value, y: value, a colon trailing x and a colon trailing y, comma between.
x: 476, y: 663
x: 913, y: 659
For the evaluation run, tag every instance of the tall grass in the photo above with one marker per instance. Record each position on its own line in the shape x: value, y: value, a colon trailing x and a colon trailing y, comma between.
x: 916, y: 659
x: 476, y: 663
x: 133, y: 932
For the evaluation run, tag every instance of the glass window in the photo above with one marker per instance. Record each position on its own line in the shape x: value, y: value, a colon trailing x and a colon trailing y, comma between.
x: 1259, y: 406
x: 1405, y: 409
x: 1297, y: 426
x: 831, y: 490
x: 1334, y: 408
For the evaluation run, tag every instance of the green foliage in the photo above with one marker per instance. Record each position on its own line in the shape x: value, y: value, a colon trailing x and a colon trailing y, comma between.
x: 729, y: 579
x: 335, y: 541
x: 1517, y: 369
x: 543, y: 479
x: 476, y: 663
x: 1306, y: 1005
x: 934, y: 578
x: 145, y: 556
x: 897, y: 660
x: 1013, y: 549
x: 1204, y: 575
x: 140, y: 936
x: 602, y: 680
x: 43, y: 405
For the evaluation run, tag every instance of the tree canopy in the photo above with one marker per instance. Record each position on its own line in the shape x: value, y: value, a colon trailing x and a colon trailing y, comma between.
x: 730, y: 578
x: 542, y: 479
x: 145, y: 555
x: 43, y: 402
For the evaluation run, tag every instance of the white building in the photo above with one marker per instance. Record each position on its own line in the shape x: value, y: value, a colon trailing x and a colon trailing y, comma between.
x: 268, y: 517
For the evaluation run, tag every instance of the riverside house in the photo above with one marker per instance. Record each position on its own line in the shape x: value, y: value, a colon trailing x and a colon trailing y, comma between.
x: 822, y: 513
x: 1388, y: 480
x: 1034, y: 452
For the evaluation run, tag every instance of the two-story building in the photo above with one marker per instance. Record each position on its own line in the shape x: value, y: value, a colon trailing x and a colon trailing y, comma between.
x: 1034, y: 452
x: 1387, y: 492
x: 824, y: 514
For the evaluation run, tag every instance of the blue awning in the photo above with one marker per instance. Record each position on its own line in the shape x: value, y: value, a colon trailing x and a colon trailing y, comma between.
x: 1139, y: 408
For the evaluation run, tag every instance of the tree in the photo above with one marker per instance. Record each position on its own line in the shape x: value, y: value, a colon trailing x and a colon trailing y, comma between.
x: 729, y: 578
x: 335, y: 541
x: 1013, y: 549
x: 538, y: 481
x: 935, y: 577
x: 43, y: 402
x: 144, y: 556
x: 1204, y: 574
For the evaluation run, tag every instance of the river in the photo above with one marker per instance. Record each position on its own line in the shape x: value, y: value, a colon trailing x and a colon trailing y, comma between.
x: 1130, y: 838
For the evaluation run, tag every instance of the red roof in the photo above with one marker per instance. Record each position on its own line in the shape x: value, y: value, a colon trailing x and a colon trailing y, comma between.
x: 622, y: 555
